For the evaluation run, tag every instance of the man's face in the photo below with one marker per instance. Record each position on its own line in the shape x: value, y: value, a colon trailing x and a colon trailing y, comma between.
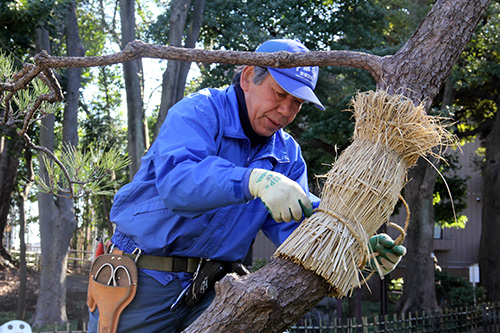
x: 270, y: 108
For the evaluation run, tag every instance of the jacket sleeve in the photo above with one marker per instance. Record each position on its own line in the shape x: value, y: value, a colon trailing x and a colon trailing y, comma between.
x: 190, y: 177
x: 278, y: 232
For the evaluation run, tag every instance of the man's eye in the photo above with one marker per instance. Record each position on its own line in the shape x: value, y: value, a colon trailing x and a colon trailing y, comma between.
x: 281, y: 95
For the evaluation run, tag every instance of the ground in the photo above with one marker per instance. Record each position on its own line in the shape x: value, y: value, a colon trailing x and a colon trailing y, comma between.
x: 76, y: 297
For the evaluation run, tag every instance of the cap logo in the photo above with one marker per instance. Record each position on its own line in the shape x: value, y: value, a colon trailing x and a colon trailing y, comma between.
x: 304, y: 73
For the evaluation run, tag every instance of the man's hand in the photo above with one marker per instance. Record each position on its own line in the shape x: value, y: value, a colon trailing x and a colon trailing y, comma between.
x: 387, y: 254
x: 283, y: 197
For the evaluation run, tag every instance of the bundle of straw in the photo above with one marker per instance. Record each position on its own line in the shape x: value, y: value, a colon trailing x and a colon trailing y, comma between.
x: 363, y: 186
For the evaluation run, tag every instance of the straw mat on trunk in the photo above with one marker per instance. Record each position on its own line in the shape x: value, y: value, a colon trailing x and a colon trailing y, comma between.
x: 363, y: 186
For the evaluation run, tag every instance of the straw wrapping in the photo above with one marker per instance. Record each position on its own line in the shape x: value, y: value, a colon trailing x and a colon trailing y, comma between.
x: 362, y: 187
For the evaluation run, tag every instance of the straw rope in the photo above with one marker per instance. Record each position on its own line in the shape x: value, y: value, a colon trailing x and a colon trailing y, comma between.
x: 349, y: 227
x: 363, y: 186
x: 398, y: 241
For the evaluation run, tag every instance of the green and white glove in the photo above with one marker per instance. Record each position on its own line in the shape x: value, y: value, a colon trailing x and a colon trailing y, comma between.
x: 284, y: 198
x: 387, y: 254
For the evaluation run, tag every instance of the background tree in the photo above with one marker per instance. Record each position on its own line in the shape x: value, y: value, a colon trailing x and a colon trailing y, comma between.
x: 57, y: 217
x: 102, y: 121
x: 132, y: 72
x: 476, y: 102
x: 182, y: 20
x: 22, y: 199
x: 17, y: 40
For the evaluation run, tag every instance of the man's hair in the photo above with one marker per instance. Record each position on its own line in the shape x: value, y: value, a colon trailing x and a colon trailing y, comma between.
x: 260, y: 75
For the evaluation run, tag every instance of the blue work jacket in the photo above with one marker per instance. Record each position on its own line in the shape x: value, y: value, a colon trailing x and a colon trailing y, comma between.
x: 188, y: 198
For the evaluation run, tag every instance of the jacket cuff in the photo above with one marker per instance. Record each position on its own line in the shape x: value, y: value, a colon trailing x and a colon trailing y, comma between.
x: 240, y: 177
x: 246, y: 190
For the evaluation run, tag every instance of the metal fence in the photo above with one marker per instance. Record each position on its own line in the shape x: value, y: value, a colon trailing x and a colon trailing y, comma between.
x: 480, y: 318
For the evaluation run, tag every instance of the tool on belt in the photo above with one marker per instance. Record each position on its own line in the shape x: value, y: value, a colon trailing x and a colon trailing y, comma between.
x: 204, y: 279
x: 114, y: 277
x: 112, y: 286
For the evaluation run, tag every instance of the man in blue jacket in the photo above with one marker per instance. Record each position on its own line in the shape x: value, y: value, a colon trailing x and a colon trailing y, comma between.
x: 221, y: 169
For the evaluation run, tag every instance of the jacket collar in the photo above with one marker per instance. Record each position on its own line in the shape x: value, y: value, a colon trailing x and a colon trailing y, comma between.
x: 274, y: 147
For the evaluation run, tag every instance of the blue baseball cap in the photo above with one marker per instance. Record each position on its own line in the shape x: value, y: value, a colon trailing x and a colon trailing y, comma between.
x: 297, y: 81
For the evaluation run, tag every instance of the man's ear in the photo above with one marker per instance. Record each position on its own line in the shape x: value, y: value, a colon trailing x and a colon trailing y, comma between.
x: 246, y: 77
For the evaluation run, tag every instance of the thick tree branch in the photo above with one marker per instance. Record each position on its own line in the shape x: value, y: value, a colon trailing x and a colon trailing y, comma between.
x: 264, y: 299
x: 138, y: 49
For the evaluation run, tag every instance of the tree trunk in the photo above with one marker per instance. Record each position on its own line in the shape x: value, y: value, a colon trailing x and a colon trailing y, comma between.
x: 132, y: 71
x: 174, y: 77
x: 74, y: 49
x: 57, y: 217
x: 421, y: 295
x: 11, y: 146
x: 419, y: 292
x: 448, y: 27
x: 21, y: 291
x: 269, y: 300
x: 490, y: 233
x: 22, y: 198
x: 51, y: 302
x: 421, y: 66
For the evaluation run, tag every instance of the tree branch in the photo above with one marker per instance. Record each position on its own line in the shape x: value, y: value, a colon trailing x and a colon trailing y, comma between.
x: 56, y: 160
x: 138, y: 49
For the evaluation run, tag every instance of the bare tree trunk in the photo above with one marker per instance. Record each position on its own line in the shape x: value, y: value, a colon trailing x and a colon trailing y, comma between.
x: 132, y: 71
x: 23, y: 197
x: 21, y: 291
x: 490, y: 233
x: 419, y: 292
x: 421, y: 66
x: 57, y: 217
x: 11, y: 146
x: 193, y: 31
x: 51, y: 302
x: 174, y: 77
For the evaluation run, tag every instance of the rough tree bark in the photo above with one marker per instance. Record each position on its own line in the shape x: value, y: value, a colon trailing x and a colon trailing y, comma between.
x: 57, y: 217
x: 132, y: 71
x: 174, y: 77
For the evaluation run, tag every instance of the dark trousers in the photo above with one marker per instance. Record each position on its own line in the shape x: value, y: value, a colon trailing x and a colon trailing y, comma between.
x: 150, y: 309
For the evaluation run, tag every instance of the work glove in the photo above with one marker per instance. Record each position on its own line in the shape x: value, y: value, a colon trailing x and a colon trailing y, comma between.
x: 386, y: 253
x: 284, y: 198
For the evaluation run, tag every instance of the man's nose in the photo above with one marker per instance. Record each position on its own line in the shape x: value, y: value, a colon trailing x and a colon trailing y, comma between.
x: 286, y: 107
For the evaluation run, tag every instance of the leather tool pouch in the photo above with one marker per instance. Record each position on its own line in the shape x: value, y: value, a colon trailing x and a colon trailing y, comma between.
x: 204, y: 279
x: 112, y: 286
